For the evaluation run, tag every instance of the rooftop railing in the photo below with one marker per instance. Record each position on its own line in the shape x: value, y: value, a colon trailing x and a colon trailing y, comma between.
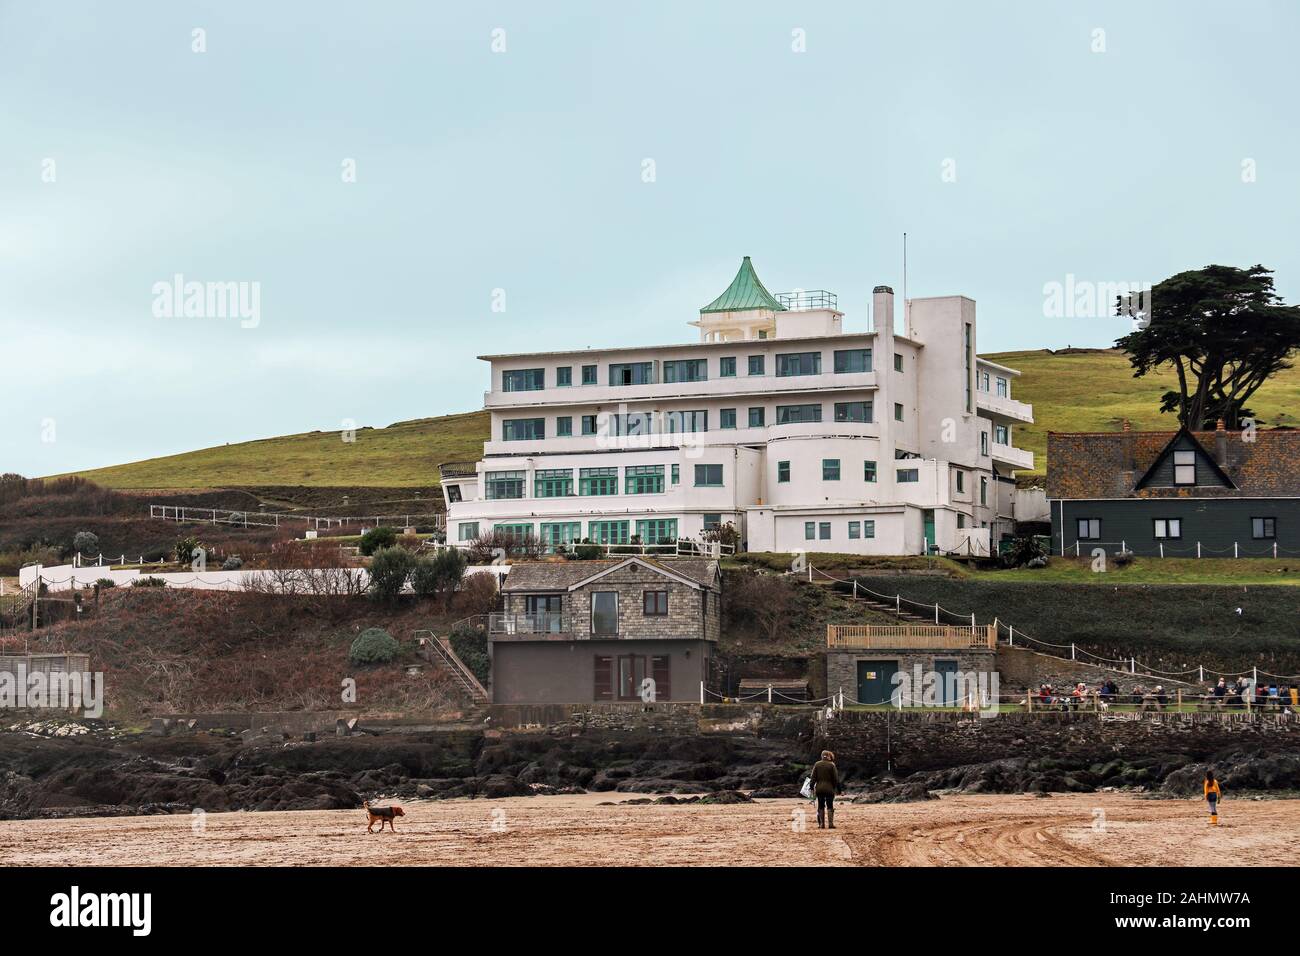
x: 808, y: 299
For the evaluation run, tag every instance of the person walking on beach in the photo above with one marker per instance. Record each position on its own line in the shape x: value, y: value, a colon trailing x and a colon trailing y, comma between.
x: 825, y: 780
x: 1212, y: 794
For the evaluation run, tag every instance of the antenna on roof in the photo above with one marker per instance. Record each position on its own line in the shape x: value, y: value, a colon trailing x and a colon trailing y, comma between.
x: 907, y: 326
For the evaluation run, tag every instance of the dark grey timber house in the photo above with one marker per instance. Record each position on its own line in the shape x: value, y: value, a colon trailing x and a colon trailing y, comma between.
x: 616, y: 630
x: 1175, y: 494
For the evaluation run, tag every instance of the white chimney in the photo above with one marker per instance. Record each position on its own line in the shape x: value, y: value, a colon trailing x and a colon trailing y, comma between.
x: 882, y: 309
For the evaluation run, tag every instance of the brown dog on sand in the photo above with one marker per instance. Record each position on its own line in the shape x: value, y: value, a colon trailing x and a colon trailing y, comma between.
x: 383, y: 815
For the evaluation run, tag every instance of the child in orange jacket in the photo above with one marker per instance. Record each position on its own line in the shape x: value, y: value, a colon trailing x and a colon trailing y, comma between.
x: 1212, y: 794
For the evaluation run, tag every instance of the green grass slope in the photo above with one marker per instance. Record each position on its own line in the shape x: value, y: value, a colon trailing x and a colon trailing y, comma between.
x: 1094, y: 390
x: 403, y: 454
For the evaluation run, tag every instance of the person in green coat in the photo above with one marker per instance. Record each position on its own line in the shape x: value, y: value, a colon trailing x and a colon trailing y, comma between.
x: 825, y: 779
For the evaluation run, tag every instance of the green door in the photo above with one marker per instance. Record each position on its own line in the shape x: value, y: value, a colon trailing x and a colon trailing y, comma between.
x: 946, y: 673
x: 928, y: 517
x: 876, y: 682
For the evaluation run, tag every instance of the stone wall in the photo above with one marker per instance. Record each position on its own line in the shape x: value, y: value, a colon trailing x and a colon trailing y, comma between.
x: 842, y: 665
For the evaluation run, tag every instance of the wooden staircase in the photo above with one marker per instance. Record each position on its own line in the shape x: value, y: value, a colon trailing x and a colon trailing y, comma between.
x: 438, y: 650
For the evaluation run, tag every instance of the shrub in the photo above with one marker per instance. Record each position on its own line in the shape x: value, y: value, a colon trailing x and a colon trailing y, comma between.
x: 477, y: 594
x: 1123, y: 558
x: 187, y: 548
x: 470, y: 645
x: 440, y: 574
x: 1022, y: 550
x: 374, y: 645
x: 148, y: 583
x: 377, y: 538
x: 87, y: 542
x: 424, y: 577
x: 232, y: 563
x: 587, y: 552
x: 389, y: 569
x: 105, y: 583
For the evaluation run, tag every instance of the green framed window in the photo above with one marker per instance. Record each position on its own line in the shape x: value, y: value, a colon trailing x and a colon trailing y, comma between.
x: 898, y: 412
x: 898, y: 362
x: 643, y: 480
x: 728, y: 416
x: 782, y: 472
x: 677, y: 474
x: 686, y: 370
x: 908, y: 475
x: 853, y: 411
x: 810, y: 530
x: 756, y: 365
x: 589, y: 424
x: 868, y: 529
x: 868, y: 471
x: 564, y: 375
x: 633, y: 423
x: 852, y: 360
x: 727, y: 366
x: 590, y: 374
x: 830, y: 469
x: 757, y: 417
x: 608, y: 532
x: 503, y: 484
x: 712, y: 522
x: 792, y: 414
x: 523, y: 380
x: 708, y: 476
x: 556, y: 534
x: 824, y: 530
x: 467, y: 530
x: 855, y: 530
x: 657, y: 530
x: 632, y: 373
x: 690, y: 421
x: 553, y: 483
x: 523, y: 429
x: 564, y: 426
x: 516, y: 532
x: 798, y: 363
x: 598, y: 481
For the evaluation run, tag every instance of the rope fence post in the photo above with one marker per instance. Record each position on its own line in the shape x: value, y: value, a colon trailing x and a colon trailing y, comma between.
x: 1132, y: 665
x: 1072, y: 657
x: 1011, y: 635
x: 769, y: 693
x: 701, y: 692
x: 936, y: 612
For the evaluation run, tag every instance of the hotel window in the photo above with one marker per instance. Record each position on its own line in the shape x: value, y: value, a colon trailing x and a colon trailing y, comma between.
x: 564, y: 427
x: 810, y: 530
x: 762, y: 333
x: 468, y: 530
x: 523, y: 429
x: 961, y: 520
x: 657, y: 530
x: 855, y: 529
x: 676, y: 474
x: 898, y: 412
x: 564, y: 375
x: 553, y: 483
x: 756, y: 365
x: 830, y: 469
x: 728, y: 418
x: 868, y: 529
x: 824, y: 530
x: 791, y: 414
x: 632, y: 373
x: 503, y: 484
x: 798, y: 363
x: 686, y: 370
x: 590, y: 373
x: 712, y: 522
x: 1088, y: 529
x: 523, y: 380
x: 1003, y: 390
x: 907, y: 476
x: 961, y: 482
x: 608, y: 532
x: 984, y: 381
x: 984, y: 491
x: 560, y: 534
x: 853, y: 411
x: 1261, y: 528
x: 693, y: 421
x: 589, y: 424
x: 984, y: 443
x: 643, y: 480
x: 1184, y: 467
x: 453, y: 494
x: 727, y: 366
x: 868, y: 471
x: 1001, y: 434
x: 517, y: 533
x: 634, y: 423
x: 708, y: 476
x: 604, y: 613
x: 598, y: 481
x: 757, y: 417
x: 782, y: 472
x: 1168, y: 527
x: 898, y: 362
x: 654, y: 603
x: 853, y: 360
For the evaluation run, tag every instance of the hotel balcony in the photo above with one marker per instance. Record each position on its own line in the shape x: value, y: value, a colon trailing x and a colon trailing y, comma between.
x: 458, y: 469
x: 721, y: 388
x: 1016, y: 458
x: 527, y: 625
x: 1005, y: 407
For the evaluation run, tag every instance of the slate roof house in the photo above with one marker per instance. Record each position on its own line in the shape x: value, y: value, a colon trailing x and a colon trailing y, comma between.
x: 1177, y: 494
x: 635, y: 629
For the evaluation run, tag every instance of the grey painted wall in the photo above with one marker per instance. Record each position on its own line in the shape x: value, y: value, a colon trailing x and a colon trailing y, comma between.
x: 1215, y: 523
x: 562, y: 671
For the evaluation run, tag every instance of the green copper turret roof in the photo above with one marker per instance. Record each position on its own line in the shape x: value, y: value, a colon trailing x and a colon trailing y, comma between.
x: 744, y: 293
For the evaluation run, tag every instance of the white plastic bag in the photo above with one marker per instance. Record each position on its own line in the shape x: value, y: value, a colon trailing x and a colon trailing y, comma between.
x: 806, y: 791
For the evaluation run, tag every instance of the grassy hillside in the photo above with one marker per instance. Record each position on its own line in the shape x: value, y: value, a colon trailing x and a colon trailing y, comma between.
x: 1080, y: 390
x: 403, y: 454
x: 1094, y: 390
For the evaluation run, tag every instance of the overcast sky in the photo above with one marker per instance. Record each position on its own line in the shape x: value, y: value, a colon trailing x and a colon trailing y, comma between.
x: 607, y: 171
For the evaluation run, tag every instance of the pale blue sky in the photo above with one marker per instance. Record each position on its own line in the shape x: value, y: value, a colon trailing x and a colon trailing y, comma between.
x: 523, y: 171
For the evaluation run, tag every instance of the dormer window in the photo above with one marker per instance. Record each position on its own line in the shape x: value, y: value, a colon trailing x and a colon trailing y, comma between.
x: 1184, y: 467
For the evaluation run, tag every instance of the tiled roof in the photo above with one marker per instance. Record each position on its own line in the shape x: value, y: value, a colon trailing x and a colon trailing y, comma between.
x: 1101, y: 464
x: 560, y: 575
x: 744, y: 293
